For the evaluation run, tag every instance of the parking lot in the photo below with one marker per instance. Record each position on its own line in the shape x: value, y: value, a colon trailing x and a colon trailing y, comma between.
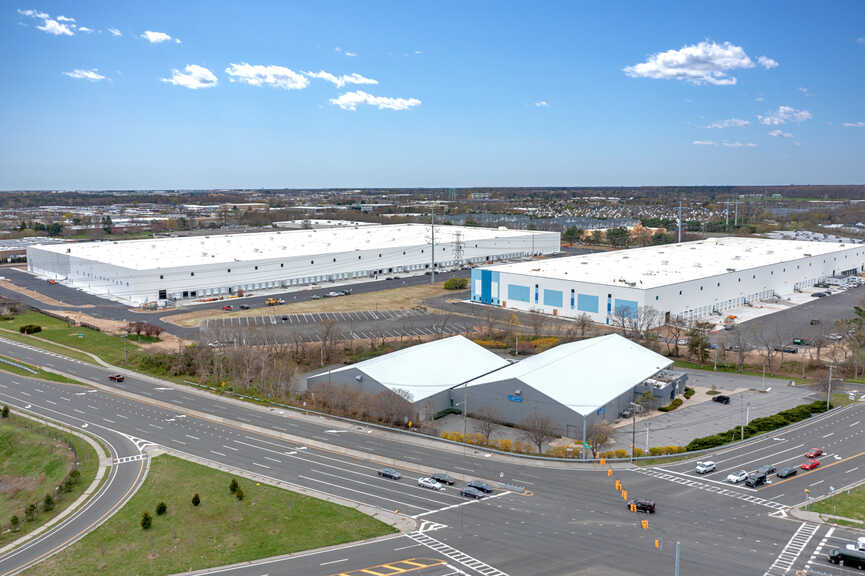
x: 313, y: 326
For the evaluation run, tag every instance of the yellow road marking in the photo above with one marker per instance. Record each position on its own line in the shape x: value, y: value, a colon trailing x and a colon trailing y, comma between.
x: 393, y: 568
x: 818, y: 469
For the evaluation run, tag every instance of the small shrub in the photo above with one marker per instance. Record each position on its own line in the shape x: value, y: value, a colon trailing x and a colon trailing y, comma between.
x: 523, y: 447
x: 30, y: 512
x: 446, y: 411
x: 48, y: 503
x: 621, y: 453
x: 498, y: 344
x: 30, y: 329
x: 146, y: 521
x: 5, y: 412
x: 161, y: 508
x: 14, y: 523
x: 475, y: 439
x: 638, y: 452
x: 688, y: 392
x: 454, y: 436
x: 541, y: 344
x: 671, y: 406
x: 239, y: 494
x: 505, y: 445
x: 196, y: 500
x: 233, y: 486
x: 457, y: 284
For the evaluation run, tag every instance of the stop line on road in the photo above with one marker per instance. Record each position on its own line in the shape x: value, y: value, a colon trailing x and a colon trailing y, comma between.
x: 685, y: 481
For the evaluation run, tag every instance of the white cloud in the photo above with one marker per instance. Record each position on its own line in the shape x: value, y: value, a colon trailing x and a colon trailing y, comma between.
x: 340, y: 81
x: 805, y: 91
x: 729, y: 123
x: 703, y: 63
x: 54, y: 27
x: 192, y: 77
x: 738, y: 144
x: 767, y: 63
x: 783, y: 115
x: 155, y: 37
x: 34, y: 14
x: 759, y: 99
x: 542, y: 104
x: 860, y: 40
x: 350, y: 100
x: 704, y: 142
x: 347, y: 53
x: 859, y: 124
x: 260, y: 75
x: 115, y: 32
x: 418, y: 52
x: 780, y: 134
x: 93, y: 74
x: 85, y: 29
x: 65, y: 19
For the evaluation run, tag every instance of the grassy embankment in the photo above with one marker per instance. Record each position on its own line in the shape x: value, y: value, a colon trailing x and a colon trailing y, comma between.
x: 34, y: 460
x: 39, y: 372
x: 220, y: 530
x: 850, y: 504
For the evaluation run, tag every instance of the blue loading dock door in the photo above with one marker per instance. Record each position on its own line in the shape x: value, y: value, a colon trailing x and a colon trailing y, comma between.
x: 486, y: 286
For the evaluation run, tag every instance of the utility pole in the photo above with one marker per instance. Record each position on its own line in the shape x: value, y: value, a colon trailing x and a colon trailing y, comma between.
x: 680, y: 220
x: 676, y: 568
x: 433, y: 222
x: 829, y: 388
x: 736, y: 216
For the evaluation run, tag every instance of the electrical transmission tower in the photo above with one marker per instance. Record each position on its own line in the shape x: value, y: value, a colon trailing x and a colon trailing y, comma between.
x: 458, y: 247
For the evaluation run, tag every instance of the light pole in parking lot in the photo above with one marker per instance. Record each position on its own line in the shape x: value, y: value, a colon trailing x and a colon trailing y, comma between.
x: 634, y: 408
x: 829, y: 387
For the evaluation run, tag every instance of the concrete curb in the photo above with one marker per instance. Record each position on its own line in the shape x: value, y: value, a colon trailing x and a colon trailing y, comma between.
x: 104, y: 462
x: 398, y: 521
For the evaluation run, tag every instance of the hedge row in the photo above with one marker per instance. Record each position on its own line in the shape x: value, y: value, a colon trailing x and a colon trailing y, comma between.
x: 759, y: 426
x: 671, y: 406
x: 688, y: 392
x: 505, y: 444
x: 30, y: 328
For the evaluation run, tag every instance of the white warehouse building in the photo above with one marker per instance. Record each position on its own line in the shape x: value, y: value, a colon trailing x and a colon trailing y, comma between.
x: 151, y: 270
x: 689, y: 280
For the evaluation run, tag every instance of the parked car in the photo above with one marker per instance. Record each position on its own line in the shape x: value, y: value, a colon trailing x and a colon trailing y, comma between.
x: 647, y: 506
x: 481, y: 485
x: 721, y: 399
x: 809, y: 465
x: 315, y: 297
x: 814, y: 452
x: 389, y: 473
x: 425, y: 482
x: 818, y: 294
x: 626, y: 413
x: 244, y: 306
x: 801, y: 342
x: 346, y: 292
x: 443, y: 478
x: 834, y: 337
x: 786, y: 472
x: 117, y: 377
x: 333, y: 294
x: 754, y: 480
x: 470, y: 492
x: 705, y: 467
x: 285, y: 318
x: 859, y: 545
x: 737, y: 476
x: 766, y: 469
x: 787, y: 349
x: 228, y: 308
x: 845, y: 557
x: 52, y: 282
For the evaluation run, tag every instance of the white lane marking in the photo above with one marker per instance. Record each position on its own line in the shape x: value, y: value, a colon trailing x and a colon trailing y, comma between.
x: 217, y: 453
x: 465, y: 503
x: 523, y: 481
x: 229, y: 447
x: 273, y: 459
x: 829, y: 434
x: 788, y: 556
x: 109, y: 421
x: 763, y: 458
x: 851, y: 470
x: 260, y: 465
x: 23, y: 393
x: 77, y: 411
x: 163, y: 388
x: 334, y: 562
x: 382, y: 487
x: 463, y: 469
x: 193, y: 437
x: 856, y: 423
x: 52, y: 402
x: 817, y: 482
x: 92, y: 407
x: 155, y: 426
x: 178, y: 441
x: 406, y: 547
x: 122, y: 416
x: 38, y: 390
x: 364, y: 493
x: 830, y: 532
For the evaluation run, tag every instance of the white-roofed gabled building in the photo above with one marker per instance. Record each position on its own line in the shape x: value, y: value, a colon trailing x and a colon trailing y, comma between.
x: 423, y: 374
x: 586, y: 380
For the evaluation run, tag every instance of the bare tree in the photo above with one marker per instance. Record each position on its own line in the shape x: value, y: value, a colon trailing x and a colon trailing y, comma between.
x: 538, y: 429
x: 485, y: 421
x: 599, y: 433
x: 537, y: 322
x: 584, y: 321
x: 676, y: 330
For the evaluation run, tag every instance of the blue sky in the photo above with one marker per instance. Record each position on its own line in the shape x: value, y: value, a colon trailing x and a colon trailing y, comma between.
x: 380, y: 94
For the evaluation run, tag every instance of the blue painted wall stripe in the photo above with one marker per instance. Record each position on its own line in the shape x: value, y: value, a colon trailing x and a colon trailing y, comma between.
x: 587, y: 303
x: 519, y: 293
x: 553, y: 298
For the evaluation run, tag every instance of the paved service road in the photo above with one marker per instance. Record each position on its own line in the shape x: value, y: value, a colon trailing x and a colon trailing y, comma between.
x: 572, y: 521
x: 123, y: 478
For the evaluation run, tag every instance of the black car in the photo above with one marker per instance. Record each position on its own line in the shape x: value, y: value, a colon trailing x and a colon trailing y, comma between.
x: 442, y: 478
x: 721, y: 399
x: 244, y: 306
x: 787, y: 472
x: 755, y: 480
x: 389, y: 473
x: 480, y: 485
x: 470, y: 492
x: 647, y: 506
x: 846, y: 557
x: 766, y: 469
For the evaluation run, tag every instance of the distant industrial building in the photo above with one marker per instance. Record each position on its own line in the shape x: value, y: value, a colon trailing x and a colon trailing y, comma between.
x: 155, y: 270
x: 690, y: 280
x: 423, y: 374
x: 308, y: 223
x: 572, y: 384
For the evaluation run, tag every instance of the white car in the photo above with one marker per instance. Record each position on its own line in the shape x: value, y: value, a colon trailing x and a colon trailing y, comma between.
x: 705, y: 467
x: 426, y: 482
x: 738, y: 476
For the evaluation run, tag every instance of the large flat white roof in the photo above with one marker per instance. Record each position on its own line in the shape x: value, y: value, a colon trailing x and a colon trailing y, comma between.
x: 427, y: 369
x: 199, y: 250
x: 655, y: 266
x: 584, y: 375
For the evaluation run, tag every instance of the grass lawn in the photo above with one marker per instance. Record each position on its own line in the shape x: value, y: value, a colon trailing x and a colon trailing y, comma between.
x: 24, y: 339
x: 106, y: 346
x: 732, y: 369
x: 43, y: 374
x: 221, y: 530
x: 392, y: 299
x: 34, y: 460
x: 847, y: 504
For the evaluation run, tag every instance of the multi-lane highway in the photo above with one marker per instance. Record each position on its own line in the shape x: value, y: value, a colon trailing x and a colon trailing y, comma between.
x: 570, y: 521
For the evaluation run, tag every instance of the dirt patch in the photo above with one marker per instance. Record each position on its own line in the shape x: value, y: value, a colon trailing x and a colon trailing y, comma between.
x: 167, y: 342
x: 392, y: 299
x: 35, y: 295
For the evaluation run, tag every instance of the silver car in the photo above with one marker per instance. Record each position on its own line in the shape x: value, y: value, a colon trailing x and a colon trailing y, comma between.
x: 425, y: 482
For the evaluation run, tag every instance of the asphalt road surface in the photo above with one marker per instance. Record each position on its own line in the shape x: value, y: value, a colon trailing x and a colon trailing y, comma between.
x: 572, y: 521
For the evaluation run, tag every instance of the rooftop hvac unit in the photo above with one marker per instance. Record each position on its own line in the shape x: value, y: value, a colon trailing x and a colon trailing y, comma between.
x: 731, y: 269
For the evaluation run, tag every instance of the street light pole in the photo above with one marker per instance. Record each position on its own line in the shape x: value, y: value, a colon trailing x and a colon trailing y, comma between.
x: 829, y: 388
x: 676, y: 569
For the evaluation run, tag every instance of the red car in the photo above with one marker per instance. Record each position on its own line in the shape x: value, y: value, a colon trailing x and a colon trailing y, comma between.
x: 117, y: 377
x: 813, y: 453
x: 229, y: 308
x: 810, y: 464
